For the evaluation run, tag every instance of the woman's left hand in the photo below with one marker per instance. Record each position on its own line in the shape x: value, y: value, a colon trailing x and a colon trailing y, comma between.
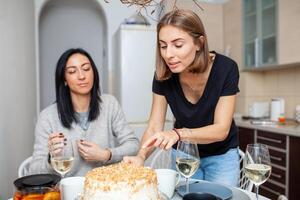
x: 90, y: 151
x: 163, y: 140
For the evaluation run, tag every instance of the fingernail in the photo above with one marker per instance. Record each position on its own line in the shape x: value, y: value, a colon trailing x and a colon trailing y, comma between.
x: 61, y: 134
x: 65, y: 144
x: 81, y: 140
x: 65, y: 139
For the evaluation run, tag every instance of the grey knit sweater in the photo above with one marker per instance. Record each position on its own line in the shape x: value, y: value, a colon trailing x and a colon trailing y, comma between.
x: 110, y: 130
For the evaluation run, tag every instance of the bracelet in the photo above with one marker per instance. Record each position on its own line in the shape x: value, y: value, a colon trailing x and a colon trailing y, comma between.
x: 49, y: 158
x: 177, y: 132
x: 110, y: 154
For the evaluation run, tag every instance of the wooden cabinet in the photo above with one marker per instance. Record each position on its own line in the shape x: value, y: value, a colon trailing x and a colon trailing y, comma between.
x: 278, y: 149
x: 246, y: 136
x: 294, y: 168
x: 284, y: 153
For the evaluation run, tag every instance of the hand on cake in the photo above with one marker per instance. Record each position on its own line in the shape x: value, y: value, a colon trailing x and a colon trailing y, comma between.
x: 163, y: 140
x: 135, y: 160
x: 91, y: 152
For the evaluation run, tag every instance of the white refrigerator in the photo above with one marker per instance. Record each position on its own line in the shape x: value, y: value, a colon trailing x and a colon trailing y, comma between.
x: 133, y: 74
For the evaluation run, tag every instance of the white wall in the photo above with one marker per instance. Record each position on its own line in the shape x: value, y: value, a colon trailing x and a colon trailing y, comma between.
x: 65, y: 24
x: 17, y: 88
x: 115, y: 13
x: 19, y: 99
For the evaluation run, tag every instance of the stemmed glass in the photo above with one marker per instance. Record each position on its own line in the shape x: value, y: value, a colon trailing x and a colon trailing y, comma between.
x: 187, y: 160
x: 257, y: 164
x: 62, y: 158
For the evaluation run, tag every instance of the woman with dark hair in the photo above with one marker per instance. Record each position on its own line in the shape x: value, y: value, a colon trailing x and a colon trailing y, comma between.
x: 200, y: 87
x: 94, y: 122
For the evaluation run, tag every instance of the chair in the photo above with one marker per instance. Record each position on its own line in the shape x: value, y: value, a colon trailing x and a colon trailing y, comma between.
x: 282, y: 197
x: 24, y: 167
x: 244, y: 182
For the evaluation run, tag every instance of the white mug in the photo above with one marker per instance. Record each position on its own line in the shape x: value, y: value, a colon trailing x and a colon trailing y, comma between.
x: 71, y: 187
x: 167, y: 180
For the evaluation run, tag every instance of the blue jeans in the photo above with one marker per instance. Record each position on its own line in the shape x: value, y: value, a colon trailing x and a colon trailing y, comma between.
x: 223, y: 168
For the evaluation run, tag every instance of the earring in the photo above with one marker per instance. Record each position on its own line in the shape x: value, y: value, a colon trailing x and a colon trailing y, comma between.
x: 66, y: 84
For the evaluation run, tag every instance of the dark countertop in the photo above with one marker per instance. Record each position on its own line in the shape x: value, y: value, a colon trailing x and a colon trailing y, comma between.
x: 289, y: 128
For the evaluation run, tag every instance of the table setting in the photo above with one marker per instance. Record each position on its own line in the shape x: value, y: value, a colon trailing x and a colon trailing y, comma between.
x: 170, y: 191
x: 226, y: 192
x: 171, y: 184
x: 257, y: 168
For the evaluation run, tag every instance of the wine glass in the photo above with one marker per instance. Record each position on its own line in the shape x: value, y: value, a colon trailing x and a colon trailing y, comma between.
x: 62, y: 158
x: 187, y: 160
x: 257, y: 164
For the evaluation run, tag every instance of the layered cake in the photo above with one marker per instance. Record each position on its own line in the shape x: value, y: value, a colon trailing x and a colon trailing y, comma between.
x: 120, y: 182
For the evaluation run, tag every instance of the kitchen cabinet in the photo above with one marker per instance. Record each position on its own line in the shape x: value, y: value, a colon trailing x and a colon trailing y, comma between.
x: 260, y: 32
x: 284, y: 153
x: 294, y: 172
x: 246, y: 136
x: 277, y: 144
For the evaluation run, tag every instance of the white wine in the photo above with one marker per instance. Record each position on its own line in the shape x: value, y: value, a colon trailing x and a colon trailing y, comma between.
x: 257, y: 173
x: 187, y: 166
x: 62, y: 164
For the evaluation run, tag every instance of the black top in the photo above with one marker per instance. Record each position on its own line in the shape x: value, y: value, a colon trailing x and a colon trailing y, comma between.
x: 222, y: 81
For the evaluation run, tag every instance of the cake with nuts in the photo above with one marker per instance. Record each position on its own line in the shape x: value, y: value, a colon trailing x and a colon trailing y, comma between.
x: 120, y: 181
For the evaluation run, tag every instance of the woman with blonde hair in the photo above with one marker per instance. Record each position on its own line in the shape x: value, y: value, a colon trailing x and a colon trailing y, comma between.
x: 200, y: 87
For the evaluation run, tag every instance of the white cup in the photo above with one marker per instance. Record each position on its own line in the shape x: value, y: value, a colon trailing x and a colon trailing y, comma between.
x: 71, y: 187
x: 167, y: 181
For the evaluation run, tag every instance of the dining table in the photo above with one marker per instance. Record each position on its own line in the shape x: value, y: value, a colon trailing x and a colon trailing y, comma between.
x: 237, y: 193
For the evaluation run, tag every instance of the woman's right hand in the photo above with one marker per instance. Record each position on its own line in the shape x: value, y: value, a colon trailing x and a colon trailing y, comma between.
x: 55, y: 143
x: 135, y: 160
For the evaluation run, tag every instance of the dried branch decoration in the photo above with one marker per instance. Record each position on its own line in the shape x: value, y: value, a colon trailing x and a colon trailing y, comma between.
x: 156, y: 4
x: 137, y: 2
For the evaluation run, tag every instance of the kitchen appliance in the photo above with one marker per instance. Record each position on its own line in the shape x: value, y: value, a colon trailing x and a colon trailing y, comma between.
x: 277, y: 109
x: 133, y: 74
x: 38, y: 186
x: 259, y: 110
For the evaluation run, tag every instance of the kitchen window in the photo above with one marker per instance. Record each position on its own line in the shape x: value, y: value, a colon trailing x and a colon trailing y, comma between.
x: 260, y: 32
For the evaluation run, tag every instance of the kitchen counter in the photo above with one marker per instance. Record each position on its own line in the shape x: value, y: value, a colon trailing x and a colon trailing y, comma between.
x: 283, y: 141
x: 292, y: 129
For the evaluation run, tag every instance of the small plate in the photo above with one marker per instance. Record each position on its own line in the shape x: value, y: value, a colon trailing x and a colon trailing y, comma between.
x: 216, y: 189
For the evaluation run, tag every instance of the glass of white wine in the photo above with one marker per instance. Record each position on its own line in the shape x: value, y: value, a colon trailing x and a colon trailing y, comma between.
x: 257, y: 164
x: 62, y: 159
x: 187, y: 160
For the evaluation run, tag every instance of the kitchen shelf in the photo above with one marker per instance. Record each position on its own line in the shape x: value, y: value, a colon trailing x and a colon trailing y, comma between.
x: 271, y: 67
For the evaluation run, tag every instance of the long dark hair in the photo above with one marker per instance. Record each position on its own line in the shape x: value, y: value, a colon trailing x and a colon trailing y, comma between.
x: 63, y: 98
